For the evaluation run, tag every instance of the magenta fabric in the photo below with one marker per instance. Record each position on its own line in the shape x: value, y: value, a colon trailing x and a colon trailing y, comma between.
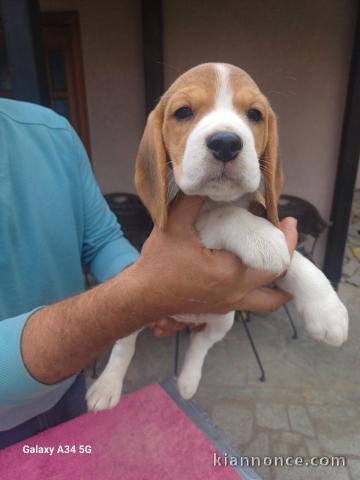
x: 146, y: 437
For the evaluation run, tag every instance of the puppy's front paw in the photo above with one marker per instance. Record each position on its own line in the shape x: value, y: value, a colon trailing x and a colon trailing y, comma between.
x: 188, y: 383
x: 327, y: 320
x: 104, y: 393
x: 267, y: 250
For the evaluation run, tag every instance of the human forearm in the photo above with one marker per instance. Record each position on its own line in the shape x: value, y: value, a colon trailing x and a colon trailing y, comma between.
x: 60, y: 339
x: 175, y: 274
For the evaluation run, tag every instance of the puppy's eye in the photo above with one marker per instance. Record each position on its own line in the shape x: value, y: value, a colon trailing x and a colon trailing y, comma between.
x: 254, y: 115
x: 184, y: 113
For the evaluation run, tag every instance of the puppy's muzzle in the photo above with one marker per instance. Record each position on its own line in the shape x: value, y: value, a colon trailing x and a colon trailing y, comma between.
x: 224, y: 146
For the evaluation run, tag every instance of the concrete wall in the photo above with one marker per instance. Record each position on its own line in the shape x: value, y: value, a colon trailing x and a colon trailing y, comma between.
x: 298, y: 52
x: 112, y: 56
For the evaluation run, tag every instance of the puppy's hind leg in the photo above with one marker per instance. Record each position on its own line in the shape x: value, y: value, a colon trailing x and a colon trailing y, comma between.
x: 200, y: 343
x: 105, y: 392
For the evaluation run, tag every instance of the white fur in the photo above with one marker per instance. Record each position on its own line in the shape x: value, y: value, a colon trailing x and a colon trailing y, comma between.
x: 232, y: 227
x: 324, y: 315
x: 106, y: 391
x: 251, y: 238
x: 224, y: 93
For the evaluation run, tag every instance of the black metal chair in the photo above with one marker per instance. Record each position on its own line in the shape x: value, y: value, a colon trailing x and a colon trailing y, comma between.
x: 133, y: 217
x: 310, y: 226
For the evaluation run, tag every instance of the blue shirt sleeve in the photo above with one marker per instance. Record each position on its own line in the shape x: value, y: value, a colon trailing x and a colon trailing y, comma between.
x: 18, y: 387
x: 106, y: 251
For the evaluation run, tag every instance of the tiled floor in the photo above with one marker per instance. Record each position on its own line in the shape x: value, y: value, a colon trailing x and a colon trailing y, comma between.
x: 309, y: 404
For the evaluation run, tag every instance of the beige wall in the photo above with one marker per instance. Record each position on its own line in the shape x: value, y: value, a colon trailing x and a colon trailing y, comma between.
x: 298, y: 52
x: 112, y: 55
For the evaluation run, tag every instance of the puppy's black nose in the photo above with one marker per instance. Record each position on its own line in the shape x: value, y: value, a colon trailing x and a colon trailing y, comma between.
x: 224, y: 145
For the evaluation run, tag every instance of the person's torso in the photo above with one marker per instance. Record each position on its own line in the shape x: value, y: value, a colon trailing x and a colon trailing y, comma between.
x: 41, y: 221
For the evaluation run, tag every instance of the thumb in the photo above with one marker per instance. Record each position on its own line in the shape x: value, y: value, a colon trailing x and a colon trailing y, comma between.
x: 288, y: 227
x: 184, y: 211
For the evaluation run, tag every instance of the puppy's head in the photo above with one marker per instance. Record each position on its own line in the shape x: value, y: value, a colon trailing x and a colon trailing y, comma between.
x: 213, y: 134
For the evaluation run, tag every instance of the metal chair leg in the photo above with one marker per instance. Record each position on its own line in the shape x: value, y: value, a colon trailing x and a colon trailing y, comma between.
x: 176, y: 354
x: 291, y: 321
x: 248, y: 333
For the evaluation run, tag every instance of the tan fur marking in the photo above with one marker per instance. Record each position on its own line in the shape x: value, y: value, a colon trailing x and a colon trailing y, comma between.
x: 248, y: 95
x: 165, y: 137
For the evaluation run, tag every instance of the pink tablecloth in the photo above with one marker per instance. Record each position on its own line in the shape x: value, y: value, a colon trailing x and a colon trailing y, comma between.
x: 146, y: 437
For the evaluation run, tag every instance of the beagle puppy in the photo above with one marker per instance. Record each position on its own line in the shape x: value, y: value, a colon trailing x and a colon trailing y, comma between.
x: 214, y: 134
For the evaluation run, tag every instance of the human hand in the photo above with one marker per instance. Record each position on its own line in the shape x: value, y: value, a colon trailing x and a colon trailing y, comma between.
x: 180, y: 275
x: 168, y: 326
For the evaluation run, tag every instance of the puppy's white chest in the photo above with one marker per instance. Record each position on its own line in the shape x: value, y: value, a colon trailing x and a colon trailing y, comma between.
x: 212, y: 225
x: 217, y: 218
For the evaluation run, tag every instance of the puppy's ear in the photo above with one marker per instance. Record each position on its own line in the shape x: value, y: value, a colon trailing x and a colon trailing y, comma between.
x: 272, y: 170
x: 151, y: 170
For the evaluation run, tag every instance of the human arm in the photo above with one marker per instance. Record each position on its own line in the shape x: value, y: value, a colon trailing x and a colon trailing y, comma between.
x: 261, y: 299
x: 173, y: 275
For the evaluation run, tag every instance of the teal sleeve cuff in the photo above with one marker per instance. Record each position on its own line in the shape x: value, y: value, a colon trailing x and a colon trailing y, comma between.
x: 112, y: 259
x: 17, y: 386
